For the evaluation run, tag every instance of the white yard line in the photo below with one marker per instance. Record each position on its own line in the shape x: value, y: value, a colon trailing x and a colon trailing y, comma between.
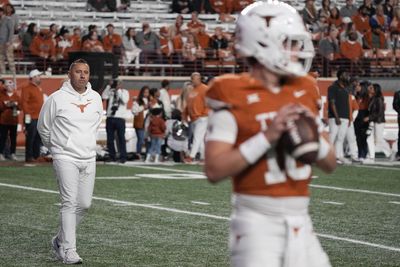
x: 333, y: 203
x: 117, y: 178
x: 355, y: 190
x: 377, y: 167
x: 160, y: 168
x: 200, y: 203
x: 128, y: 203
x: 394, y: 202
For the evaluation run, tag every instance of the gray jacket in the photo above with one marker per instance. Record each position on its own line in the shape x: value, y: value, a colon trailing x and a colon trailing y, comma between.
x: 6, y: 30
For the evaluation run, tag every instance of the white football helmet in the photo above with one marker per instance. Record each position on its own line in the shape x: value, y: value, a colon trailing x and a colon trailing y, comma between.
x: 274, y: 33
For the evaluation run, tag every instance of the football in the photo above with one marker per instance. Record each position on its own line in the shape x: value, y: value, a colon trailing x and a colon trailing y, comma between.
x: 301, y: 141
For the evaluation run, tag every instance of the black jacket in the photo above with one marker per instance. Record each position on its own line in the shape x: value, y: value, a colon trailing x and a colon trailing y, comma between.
x: 377, y: 110
x: 396, y: 102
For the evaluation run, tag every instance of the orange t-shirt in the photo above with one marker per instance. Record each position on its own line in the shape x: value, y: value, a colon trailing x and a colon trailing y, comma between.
x: 351, y: 51
x: 196, y: 103
x: 32, y: 100
x: 109, y: 41
x: 361, y: 24
x: 40, y: 45
x: 253, y: 107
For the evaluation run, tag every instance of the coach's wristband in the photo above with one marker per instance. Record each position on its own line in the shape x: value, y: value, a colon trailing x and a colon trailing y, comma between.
x: 254, y: 147
x: 324, y: 148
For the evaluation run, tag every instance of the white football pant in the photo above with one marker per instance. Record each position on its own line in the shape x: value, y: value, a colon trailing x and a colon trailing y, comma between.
x: 352, y: 141
x: 376, y: 142
x: 75, y: 182
x: 261, y: 240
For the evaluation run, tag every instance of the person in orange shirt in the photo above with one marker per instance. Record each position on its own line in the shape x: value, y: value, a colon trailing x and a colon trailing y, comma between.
x: 32, y: 99
x: 9, y: 109
x: 195, y: 24
x: 43, y: 49
x: 166, y: 45
x: 361, y: 20
x: 351, y: 49
x: 92, y: 44
x: 76, y: 40
x: 270, y: 222
x: 196, y: 112
x: 203, y: 38
x: 375, y: 38
x: 112, y: 42
x: 350, y: 134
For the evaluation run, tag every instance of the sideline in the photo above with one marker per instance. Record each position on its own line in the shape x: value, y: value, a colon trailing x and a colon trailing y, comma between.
x: 128, y: 203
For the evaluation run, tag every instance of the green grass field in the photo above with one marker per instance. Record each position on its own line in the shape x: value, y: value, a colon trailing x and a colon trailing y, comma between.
x: 170, y: 216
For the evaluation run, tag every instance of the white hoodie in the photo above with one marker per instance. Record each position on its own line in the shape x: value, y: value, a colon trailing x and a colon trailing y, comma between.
x: 68, y: 123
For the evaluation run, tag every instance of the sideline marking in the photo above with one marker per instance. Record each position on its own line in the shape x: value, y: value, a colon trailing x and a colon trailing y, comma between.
x: 200, y: 202
x: 394, y: 202
x: 355, y: 190
x: 172, y: 176
x: 128, y: 203
x: 333, y: 202
x: 116, y: 177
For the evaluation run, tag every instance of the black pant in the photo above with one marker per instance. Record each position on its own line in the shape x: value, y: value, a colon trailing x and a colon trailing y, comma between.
x: 5, y: 131
x: 116, y: 125
x: 360, y: 128
x: 32, y: 142
x: 398, y: 137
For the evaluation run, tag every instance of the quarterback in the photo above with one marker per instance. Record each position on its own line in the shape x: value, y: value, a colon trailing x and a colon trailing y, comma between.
x: 68, y: 124
x: 270, y: 222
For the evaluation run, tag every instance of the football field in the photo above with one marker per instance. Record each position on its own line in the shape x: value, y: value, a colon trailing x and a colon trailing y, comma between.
x: 161, y: 215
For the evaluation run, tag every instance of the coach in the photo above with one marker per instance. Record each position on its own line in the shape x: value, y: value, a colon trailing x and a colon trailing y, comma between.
x: 68, y: 124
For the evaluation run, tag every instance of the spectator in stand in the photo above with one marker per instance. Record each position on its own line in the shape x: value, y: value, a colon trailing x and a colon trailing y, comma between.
x: 76, y: 40
x: 9, y: 105
x: 53, y: 28
x: 182, y: 6
x: 116, y: 99
x: 203, y: 38
x: 165, y: 98
x: 192, y: 54
x: 112, y: 42
x: 388, y: 9
x: 309, y: 13
x: 218, y: 41
x: 92, y: 44
x: 91, y: 28
x: 223, y: 8
x: 320, y: 27
x: 149, y: 42
x: 179, y: 41
x: 195, y: 24
x: 196, y: 112
x: 396, y: 107
x: 375, y: 38
x: 361, y: 20
x: 239, y: 5
x: 228, y: 54
x: 10, y: 12
x: 376, y: 120
x: 156, y: 130
x: 380, y: 19
x: 325, y: 8
x: 360, y: 126
x: 395, y: 23
x: 203, y: 6
x: 368, y: 4
x: 43, y: 49
x: 348, y: 10
x: 328, y: 48
x: 335, y: 18
x: 166, y: 45
x: 4, y: 2
x: 350, y: 28
x: 339, y: 112
x: 175, y: 29
x: 6, y: 43
x: 63, y: 44
x: 27, y: 38
x: 350, y: 48
x: 139, y: 110
x: 131, y: 51
x: 32, y: 99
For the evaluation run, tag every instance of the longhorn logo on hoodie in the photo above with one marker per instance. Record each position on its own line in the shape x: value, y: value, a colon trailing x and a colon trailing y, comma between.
x: 82, y: 106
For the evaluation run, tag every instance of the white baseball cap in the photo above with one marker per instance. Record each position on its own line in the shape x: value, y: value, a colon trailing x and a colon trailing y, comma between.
x: 34, y: 73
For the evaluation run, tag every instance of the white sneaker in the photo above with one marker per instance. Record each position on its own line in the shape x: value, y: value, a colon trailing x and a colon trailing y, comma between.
x: 148, y: 158
x: 57, y: 249
x: 72, y: 257
x: 13, y: 157
x: 2, y: 158
x: 368, y: 161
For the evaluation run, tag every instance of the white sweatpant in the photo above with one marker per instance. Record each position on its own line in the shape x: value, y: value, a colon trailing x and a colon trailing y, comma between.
x: 260, y: 240
x: 352, y: 141
x: 199, y: 132
x: 75, y: 182
x: 376, y: 142
x: 337, y: 133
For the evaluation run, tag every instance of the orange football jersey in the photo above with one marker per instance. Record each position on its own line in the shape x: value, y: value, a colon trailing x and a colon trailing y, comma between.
x: 254, y: 107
